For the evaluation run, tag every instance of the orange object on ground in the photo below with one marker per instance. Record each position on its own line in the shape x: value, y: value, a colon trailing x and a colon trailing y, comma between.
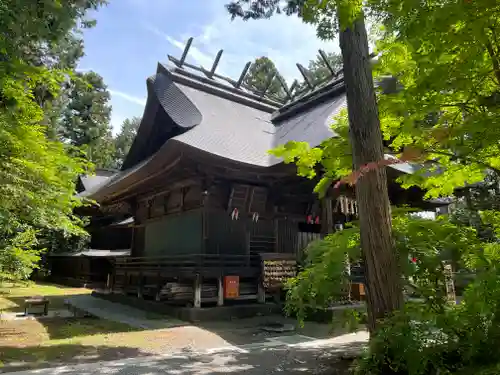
x: 231, y: 287
x: 358, y: 291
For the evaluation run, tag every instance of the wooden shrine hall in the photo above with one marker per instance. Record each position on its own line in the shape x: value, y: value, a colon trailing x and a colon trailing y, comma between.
x: 216, y: 217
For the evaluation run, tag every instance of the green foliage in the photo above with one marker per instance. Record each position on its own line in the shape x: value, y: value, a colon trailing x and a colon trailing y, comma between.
x: 323, y: 14
x: 38, y: 173
x: 318, y: 71
x: 431, y: 242
x: 442, y: 112
x: 460, y: 339
x: 318, y: 68
x: 86, y: 118
x: 445, y: 55
x: 323, y: 279
x: 428, y: 337
x: 333, y: 155
x: 124, y: 139
x: 259, y: 75
x: 17, y: 256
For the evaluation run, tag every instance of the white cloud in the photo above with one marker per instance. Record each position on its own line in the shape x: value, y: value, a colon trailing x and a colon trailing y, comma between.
x: 199, y: 56
x: 130, y: 98
x: 121, y: 108
x: 82, y: 70
x: 286, y: 40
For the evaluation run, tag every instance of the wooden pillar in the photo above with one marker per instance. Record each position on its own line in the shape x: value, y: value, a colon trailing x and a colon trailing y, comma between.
x: 113, y: 280
x: 140, y: 286
x: 125, y: 282
x: 327, y: 215
x: 450, y: 285
x: 159, y: 286
x: 220, y: 291
x: 261, y: 292
x: 197, y: 291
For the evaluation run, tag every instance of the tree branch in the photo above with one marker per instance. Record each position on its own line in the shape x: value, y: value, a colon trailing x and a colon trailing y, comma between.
x: 464, y: 158
x: 494, y: 59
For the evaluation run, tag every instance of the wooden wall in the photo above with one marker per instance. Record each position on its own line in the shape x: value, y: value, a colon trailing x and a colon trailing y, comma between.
x: 197, y: 218
x: 223, y: 235
x: 176, y: 234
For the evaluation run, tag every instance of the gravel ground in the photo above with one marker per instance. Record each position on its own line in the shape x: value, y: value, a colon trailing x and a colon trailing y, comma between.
x: 322, y: 358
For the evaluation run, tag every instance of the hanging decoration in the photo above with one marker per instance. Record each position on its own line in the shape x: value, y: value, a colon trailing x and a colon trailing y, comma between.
x: 311, y: 219
x: 255, y: 217
x: 348, y: 206
x: 235, y: 214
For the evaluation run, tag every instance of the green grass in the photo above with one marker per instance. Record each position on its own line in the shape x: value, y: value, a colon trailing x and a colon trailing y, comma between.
x: 47, y: 342
x: 29, y: 344
x: 12, y: 296
x: 57, y: 341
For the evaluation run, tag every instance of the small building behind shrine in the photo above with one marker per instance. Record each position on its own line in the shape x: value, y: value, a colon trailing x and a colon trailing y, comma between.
x: 110, y: 236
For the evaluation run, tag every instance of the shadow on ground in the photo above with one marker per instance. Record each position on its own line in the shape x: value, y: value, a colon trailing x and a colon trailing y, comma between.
x: 56, y: 302
x: 262, y: 362
x: 16, y: 359
x: 59, y: 328
x: 252, y: 330
x: 67, y: 328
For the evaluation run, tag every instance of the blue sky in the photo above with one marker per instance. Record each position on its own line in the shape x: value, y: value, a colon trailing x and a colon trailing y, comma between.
x: 131, y: 36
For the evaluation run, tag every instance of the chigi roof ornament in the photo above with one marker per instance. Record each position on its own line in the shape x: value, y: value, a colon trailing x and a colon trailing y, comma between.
x: 295, y: 91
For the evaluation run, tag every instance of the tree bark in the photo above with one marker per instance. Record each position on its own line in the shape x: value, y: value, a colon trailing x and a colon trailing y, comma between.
x: 382, y: 271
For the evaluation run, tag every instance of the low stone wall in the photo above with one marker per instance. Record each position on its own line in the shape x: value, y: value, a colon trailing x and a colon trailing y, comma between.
x: 73, y: 282
x: 192, y: 314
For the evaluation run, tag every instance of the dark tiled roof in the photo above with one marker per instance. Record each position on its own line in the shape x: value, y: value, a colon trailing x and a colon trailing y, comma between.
x: 241, y: 129
x: 185, y: 111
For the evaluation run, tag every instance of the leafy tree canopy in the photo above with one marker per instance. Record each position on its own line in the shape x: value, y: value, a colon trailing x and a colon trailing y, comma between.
x: 318, y: 71
x: 37, y: 173
x: 318, y: 68
x: 446, y: 56
x: 124, y: 139
x: 259, y: 78
x: 86, y: 118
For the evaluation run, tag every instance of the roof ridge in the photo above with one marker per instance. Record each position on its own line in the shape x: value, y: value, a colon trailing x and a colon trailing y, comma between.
x: 219, y: 89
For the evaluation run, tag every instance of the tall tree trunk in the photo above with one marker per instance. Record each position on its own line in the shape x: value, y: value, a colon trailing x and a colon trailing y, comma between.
x: 382, y: 271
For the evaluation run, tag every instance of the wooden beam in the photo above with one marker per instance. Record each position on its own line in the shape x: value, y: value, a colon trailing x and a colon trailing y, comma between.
x: 166, y: 189
x: 327, y: 220
x: 169, y: 167
x: 197, y: 291
x: 220, y: 291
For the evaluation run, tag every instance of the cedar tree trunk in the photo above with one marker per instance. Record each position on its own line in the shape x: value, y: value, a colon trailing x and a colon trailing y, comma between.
x: 382, y: 272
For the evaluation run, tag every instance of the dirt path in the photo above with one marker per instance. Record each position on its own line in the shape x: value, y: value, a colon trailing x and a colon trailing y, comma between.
x: 314, y: 358
x: 116, y: 312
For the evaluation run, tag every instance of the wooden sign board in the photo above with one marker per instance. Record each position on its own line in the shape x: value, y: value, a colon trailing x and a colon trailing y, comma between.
x: 231, y: 287
x: 277, y: 269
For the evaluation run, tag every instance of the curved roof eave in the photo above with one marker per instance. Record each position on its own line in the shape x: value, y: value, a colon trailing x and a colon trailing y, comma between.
x: 219, y: 127
x: 123, y: 181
